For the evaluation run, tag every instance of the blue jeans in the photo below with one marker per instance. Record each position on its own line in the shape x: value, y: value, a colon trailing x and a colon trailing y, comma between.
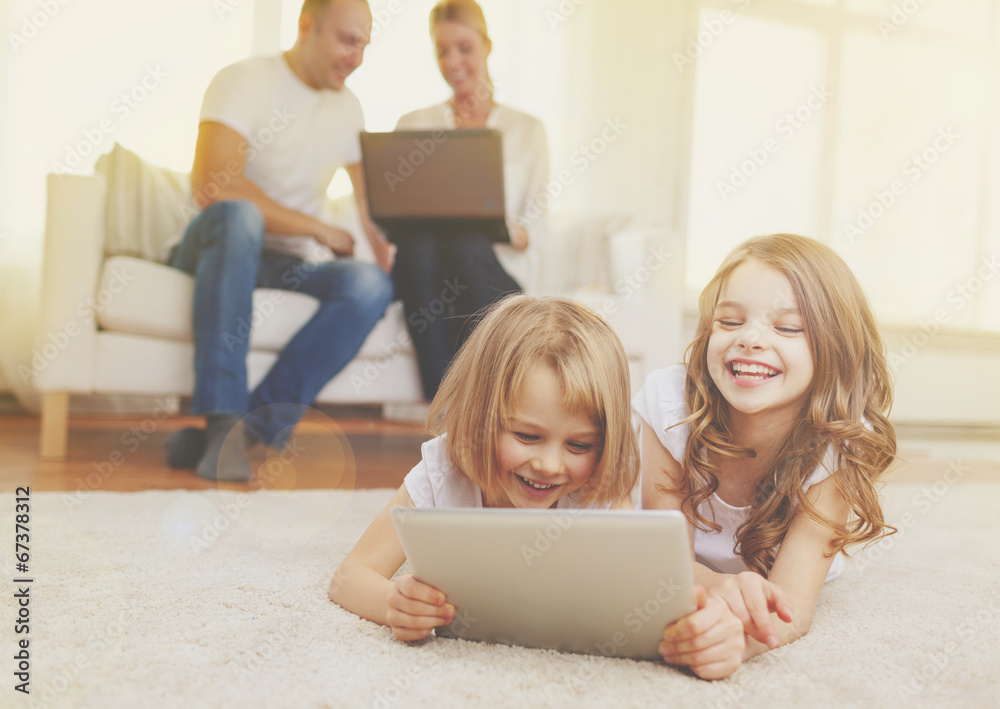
x: 223, y: 249
x: 443, y: 281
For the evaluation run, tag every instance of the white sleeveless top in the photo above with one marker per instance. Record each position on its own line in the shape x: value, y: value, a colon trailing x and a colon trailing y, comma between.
x: 660, y: 404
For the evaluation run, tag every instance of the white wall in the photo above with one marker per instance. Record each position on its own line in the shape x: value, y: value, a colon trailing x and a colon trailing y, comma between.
x: 623, y: 146
x: 946, y: 379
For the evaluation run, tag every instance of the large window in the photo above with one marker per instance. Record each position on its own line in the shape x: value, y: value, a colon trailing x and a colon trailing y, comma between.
x: 80, y: 77
x: 869, y: 124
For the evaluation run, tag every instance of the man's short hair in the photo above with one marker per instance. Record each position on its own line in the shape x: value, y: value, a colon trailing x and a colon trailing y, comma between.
x: 315, y: 7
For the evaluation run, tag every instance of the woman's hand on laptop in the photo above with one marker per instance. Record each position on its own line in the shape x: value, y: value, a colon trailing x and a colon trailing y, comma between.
x: 382, y: 249
x: 710, y: 640
x: 519, y: 238
x: 415, y: 609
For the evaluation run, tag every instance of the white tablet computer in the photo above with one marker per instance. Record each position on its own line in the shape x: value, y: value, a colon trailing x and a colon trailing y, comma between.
x: 602, y: 582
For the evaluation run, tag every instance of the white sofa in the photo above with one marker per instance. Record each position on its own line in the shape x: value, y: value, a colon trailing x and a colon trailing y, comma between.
x: 120, y: 324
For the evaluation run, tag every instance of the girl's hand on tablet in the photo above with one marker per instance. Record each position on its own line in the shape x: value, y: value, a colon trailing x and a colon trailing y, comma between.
x: 710, y: 641
x: 752, y: 599
x: 415, y: 609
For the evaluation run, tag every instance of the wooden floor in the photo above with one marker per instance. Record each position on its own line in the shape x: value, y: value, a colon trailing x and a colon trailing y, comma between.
x: 116, y: 454
x: 349, y: 451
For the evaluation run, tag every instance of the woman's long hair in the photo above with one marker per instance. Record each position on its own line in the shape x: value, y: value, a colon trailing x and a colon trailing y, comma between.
x: 847, y: 406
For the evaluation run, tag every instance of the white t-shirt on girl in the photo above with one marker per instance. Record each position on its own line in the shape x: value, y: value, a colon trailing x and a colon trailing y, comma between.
x: 434, y: 482
x: 660, y: 404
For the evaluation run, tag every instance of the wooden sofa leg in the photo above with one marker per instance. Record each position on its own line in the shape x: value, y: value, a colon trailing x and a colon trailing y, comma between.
x: 55, y: 425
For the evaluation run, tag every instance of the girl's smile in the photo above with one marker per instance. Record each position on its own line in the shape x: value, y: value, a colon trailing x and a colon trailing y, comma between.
x: 758, y: 353
x: 749, y: 373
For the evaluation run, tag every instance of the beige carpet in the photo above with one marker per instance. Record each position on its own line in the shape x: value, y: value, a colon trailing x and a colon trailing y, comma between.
x: 193, y: 599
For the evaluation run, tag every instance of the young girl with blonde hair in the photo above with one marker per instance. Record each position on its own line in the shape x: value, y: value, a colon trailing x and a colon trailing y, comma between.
x: 534, y: 412
x: 771, y: 437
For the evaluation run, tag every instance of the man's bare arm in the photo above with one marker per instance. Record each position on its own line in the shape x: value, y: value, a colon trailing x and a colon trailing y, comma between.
x: 384, y: 251
x: 217, y: 176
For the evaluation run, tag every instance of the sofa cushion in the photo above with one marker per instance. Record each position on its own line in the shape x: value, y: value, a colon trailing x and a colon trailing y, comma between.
x: 147, y: 206
x: 140, y: 297
x: 142, y: 365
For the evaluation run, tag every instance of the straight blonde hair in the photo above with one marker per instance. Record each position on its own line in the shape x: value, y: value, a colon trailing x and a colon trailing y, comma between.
x: 466, y: 12
x: 480, y: 391
x: 317, y: 7
x: 847, y: 407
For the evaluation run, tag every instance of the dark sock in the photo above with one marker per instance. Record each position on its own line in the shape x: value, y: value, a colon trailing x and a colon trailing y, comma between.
x: 225, y: 456
x: 185, y: 448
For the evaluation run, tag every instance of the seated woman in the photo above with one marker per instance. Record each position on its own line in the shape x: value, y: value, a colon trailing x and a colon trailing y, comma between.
x: 468, y: 268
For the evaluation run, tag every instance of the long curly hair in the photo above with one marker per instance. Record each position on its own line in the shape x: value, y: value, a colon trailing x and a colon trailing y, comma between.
x: 847, y: 406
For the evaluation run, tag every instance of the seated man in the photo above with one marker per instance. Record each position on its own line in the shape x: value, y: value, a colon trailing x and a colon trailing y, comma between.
x: 273, y: 131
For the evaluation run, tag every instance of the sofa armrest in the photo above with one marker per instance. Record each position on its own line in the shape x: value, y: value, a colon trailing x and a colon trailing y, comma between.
x: 73, y: 254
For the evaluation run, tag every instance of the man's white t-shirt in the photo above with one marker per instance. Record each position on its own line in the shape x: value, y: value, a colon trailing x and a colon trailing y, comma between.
x: 297, y: 137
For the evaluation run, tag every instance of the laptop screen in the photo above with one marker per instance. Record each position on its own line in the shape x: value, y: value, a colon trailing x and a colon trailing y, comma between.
x: 434, y: 175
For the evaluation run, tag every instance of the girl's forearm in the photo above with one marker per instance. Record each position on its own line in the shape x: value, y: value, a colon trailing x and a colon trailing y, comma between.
x: 704, y: 576
x: 786, y: 632
x: 278, y: 219
x: 361, y: 590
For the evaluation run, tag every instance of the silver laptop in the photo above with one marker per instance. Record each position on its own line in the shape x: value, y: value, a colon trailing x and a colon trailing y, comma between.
x: 444, y: 181
x: 588, y: 581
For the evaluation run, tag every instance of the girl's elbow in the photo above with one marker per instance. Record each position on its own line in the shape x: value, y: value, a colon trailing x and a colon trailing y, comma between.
x: 336, y: 586
x: 798, y: 628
